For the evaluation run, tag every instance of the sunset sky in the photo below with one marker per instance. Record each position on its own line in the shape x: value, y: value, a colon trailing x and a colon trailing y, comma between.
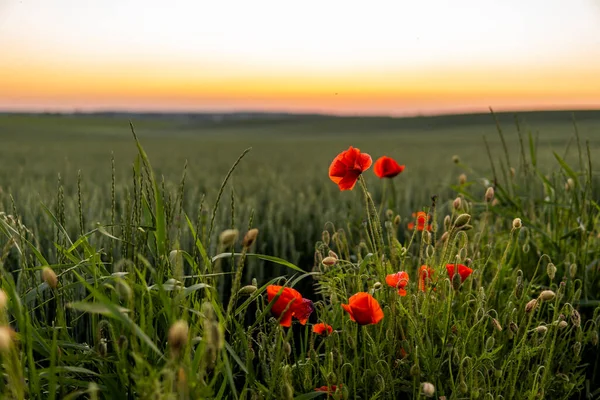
x: 345, y: 57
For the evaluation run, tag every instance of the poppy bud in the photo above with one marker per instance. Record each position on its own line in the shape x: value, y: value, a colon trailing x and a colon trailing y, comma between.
x: 489, y: 343
x: 495, y: 202
x: 457, y: 203
x: 49, y: 277
x: 570, y: 184
x: 397, y: 220
x: 250, y: 237
x: 288, y: 391
x: 541, y: 330
x: 415, y: 370
x: 427, y: 237
x: 247, y: 290
x: 455, y: 159
x: 377, y: 286
x: 332, y: 254
x: 461, y: 220
x: 519, y: 290
x: 531, y: 305
x: 456, y: 281
x: 389, y: 214
x: 594, y: 338
x: 547, y: 295
x: 102, y: 348
x: 513, y: 327
x: 462, y: 179
x: 576, y: 319
x: 573, y: 270
x: 551, y: 270
x: 576, y: 348
x: 444, y: 237
x: 562, y: 324
x: 428, y: 389
x: 326, y: 237
x: 463, y: 387
x: 178, y: 336
x: 496, y: 324
x: 287, y: 348
x: 329, y: 261
x: 6, y: 338
x: 447, y: 222
x: 3, y: 300
x: 517, y: 224
x: 489, y: 194
x: 228, y: 237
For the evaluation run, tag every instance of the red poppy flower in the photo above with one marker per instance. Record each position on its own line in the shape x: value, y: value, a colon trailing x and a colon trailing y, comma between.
x: 322, y: 329
x: 386, y: 167
x: 290, y: 303
x: 363, y: 309
x: 399, y: 280
x: 463, y: 271
x: 328, y: 389
x: 425, y: 277
x: 422, y: 221
x: 347, y: 167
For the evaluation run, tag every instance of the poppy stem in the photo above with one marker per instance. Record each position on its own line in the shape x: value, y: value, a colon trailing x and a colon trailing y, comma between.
x: 373, y: 220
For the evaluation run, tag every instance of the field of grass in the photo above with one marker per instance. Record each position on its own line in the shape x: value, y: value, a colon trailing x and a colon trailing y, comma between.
x: 133, y: 235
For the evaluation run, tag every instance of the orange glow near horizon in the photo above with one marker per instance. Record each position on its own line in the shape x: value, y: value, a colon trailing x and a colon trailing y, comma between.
x: 102, y: 71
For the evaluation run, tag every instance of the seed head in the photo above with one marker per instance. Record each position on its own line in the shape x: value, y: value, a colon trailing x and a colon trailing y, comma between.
x: 228, y: 237
x: 531, y: 305
x: 462, y: 179
x: 517, y: 224
x: 547, y: 295
x: 428, y: 389
x: 329, y: 261
x: 3, y: 300
x: 49, y: 277
x: 178, y: 335
x: 489, y: 194
x: 457, y: 203
x: 250, y: 237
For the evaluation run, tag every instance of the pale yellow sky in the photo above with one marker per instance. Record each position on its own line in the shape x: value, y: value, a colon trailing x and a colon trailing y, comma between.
x: 351, y: 57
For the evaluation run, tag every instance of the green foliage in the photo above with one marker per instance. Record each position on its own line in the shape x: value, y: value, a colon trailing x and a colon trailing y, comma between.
x: 138, y: 250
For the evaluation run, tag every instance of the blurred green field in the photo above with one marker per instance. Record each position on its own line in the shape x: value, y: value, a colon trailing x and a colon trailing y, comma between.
x: 283, y: 179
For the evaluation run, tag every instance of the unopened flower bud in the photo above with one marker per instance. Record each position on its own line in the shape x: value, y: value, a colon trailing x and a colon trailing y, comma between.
x: 457, y: 203
x: 489, y: 343
x: 6, y: 338
x: 562, y: 324
x: 326, y: 237
x: 513, y: 327
x: 489, y: 194
x: 576, y: 348
x: 3, y: 300
x: 551, y: 270
x: 444, y: 237
x: 49, y: 277
x: 377, y: 286
x: 250, y: 237
x: 547, y: 295
x: 517, y: 224
x: 329, y: 261
x: 496, y: 325
x: 531, y: 305
x: 455, y: 159
x: 461, y: 220
x: 228, y: 237
x: 428, y: 389
x: 427, y: 237
x: 495, y: 202
x: 570, y: 184
x: 415, y: 370
x: 287, y: 348
x: 573, y: 270
x: 541, y: 330
x: 247, y: 290
x: 397, y: 220
x: 332, y: 254
x: 576, y: 318
x: 389, y: 214
x: 462, y: 179
x: 594, y: 338
x: 178, y: 336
